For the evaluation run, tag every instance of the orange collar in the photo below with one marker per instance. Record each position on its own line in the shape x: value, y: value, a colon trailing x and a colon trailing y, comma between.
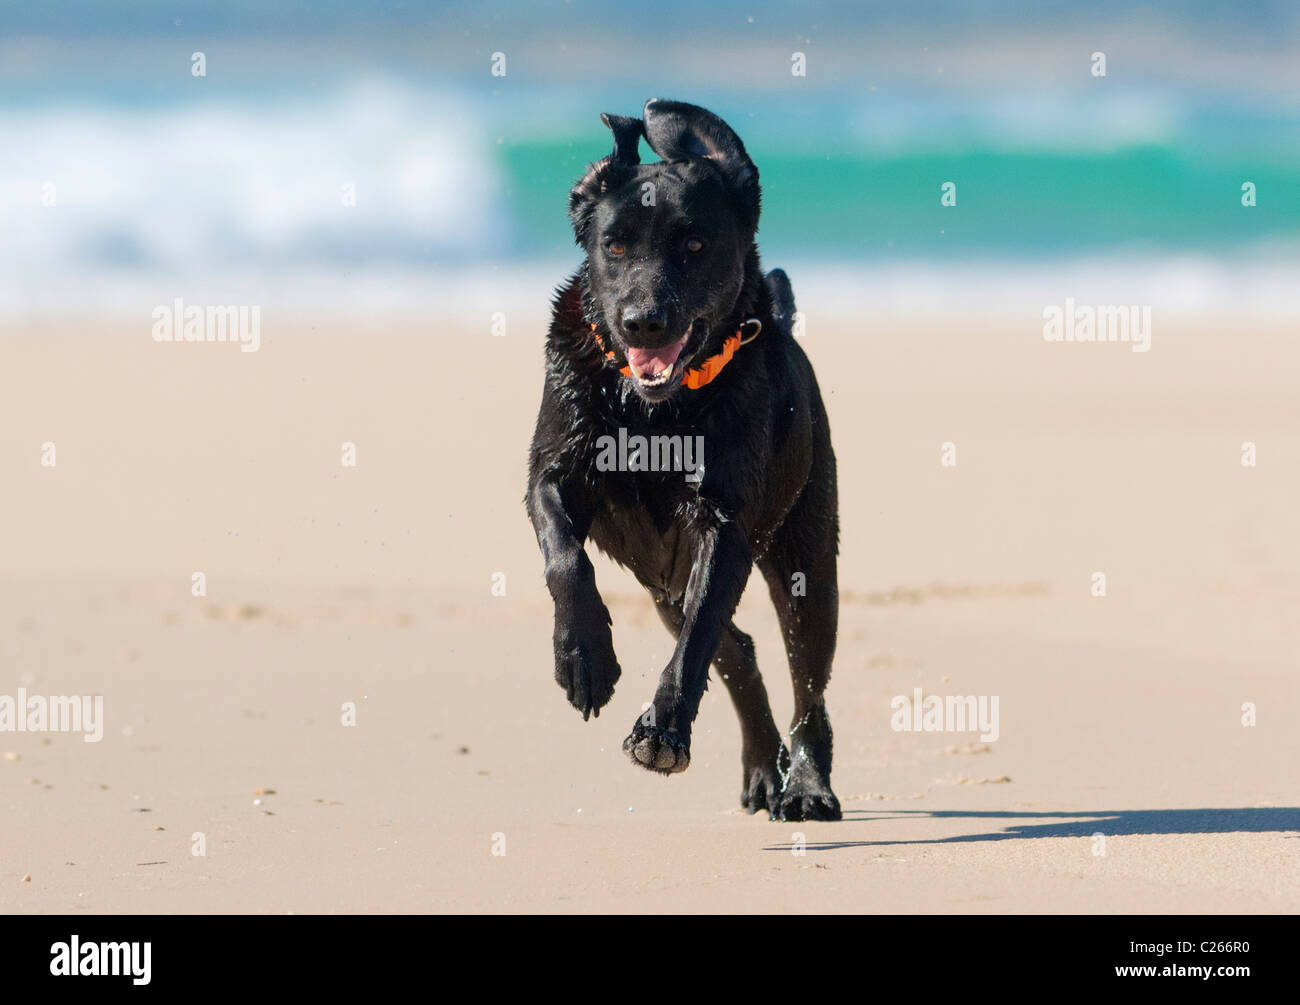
x: 699, y: 376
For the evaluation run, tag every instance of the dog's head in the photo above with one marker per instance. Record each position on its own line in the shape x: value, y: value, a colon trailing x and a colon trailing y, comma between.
x: 666, y: 242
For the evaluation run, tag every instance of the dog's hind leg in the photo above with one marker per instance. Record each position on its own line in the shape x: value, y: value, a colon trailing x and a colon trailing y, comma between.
x: 763, y: 756
x: 808, y: 625
x: 800, y: 571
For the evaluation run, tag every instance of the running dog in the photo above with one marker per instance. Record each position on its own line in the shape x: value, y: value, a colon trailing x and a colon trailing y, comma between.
x: 670, y: 330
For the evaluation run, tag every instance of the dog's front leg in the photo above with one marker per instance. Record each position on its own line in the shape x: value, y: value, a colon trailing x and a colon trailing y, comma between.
x: 661, y: 739
x: 585, y: 664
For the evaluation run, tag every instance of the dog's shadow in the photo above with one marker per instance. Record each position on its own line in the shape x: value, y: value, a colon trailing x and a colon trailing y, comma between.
x: 1111, y: 823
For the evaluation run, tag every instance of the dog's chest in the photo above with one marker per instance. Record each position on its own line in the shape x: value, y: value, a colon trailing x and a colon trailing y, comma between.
x: 646, y: 529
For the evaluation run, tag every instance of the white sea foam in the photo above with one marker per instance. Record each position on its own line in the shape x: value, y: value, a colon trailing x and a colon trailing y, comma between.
x: 202, y: 192
x: 240, y: 201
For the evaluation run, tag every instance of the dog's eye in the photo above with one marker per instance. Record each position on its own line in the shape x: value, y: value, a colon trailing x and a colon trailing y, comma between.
x: 616, y: 248
x: 694, y: 244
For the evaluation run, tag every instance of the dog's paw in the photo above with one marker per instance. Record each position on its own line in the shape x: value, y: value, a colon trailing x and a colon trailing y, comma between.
x: 762, y: 781
x: 661, y: 750
x: 807, y: 797
x: 587, y: 668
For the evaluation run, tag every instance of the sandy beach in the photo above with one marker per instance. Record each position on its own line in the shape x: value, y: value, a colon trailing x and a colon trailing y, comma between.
x: 1120, y: 716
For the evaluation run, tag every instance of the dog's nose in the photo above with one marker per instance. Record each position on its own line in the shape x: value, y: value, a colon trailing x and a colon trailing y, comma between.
x: 640, y: 323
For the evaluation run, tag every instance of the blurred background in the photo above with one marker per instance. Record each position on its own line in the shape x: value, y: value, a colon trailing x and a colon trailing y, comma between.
x: 126, y: 180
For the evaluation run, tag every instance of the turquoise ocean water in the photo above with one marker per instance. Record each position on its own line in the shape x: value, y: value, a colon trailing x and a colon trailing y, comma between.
x: 126, y: 180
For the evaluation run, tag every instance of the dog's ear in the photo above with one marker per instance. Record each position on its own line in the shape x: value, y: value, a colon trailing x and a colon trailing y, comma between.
x: 606, y: 172
x: 677, y: 131
x: 627, y: 137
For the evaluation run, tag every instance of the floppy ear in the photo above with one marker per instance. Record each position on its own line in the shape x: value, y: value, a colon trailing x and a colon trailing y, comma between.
x: 606, y: 172
x: 627, y: 137
x: 677, y: 131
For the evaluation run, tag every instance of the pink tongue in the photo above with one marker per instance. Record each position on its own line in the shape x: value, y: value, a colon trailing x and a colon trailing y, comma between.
x: 649, y: 362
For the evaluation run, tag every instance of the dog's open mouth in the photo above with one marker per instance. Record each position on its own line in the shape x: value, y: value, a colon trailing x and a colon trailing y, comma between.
x: 653, y: 367
x: 662, y: 365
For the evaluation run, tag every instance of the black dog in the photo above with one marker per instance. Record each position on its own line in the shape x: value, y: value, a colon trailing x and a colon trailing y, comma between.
x: 670, y: 329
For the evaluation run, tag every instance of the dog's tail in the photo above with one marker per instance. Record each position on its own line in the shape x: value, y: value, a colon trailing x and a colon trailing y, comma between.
x: 778, y: 287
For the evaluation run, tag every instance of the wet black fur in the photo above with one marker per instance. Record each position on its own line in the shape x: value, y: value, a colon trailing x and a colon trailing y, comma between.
x: 768, y: 496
